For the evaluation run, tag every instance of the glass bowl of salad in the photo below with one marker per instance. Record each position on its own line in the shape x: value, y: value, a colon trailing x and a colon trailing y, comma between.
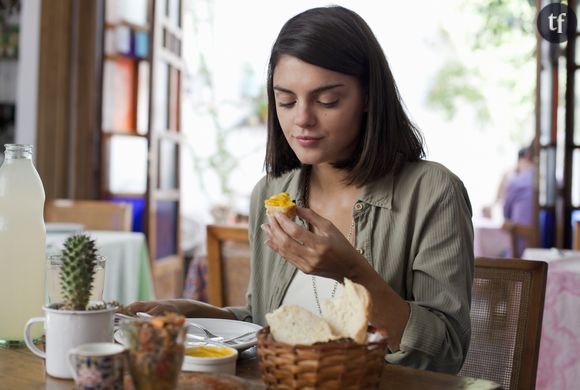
x: 155, y: 351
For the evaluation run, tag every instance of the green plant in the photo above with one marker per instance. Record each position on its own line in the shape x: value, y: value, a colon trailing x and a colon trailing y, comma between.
x: 79, y: 260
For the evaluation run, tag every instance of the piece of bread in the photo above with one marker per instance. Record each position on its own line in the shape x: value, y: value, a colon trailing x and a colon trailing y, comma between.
x: 280, y: 203
x: 293, y: 324
x: 345, y: 316
x: 348, y: 313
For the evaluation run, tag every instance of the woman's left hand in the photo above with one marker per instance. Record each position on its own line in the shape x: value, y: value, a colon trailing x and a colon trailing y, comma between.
x: 323, y: 252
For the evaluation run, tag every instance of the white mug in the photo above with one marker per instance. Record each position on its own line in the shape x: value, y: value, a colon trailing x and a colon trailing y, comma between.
x: 97, y: 366
x: 66, y: 329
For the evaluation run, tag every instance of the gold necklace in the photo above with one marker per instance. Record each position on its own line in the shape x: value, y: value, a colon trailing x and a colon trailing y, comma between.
x: 350, y: 231
x: 306, y: 197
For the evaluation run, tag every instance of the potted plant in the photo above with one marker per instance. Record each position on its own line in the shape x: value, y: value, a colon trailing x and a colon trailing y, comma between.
x: 75, y: 320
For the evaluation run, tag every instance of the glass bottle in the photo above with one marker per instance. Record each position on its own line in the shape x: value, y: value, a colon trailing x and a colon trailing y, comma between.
x: 22, y: 243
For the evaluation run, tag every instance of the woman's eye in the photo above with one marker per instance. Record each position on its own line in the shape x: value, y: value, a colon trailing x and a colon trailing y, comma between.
x: 329, y: 104
x: 285, y: 104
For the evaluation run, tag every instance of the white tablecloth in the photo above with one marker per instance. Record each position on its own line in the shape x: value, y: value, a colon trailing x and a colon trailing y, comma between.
x: 127, y: 269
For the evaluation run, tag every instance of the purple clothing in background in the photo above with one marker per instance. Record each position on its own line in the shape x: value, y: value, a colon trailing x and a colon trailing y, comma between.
x: 518, y: 205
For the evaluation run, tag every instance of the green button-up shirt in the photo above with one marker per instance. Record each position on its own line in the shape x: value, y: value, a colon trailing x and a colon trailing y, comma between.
x: 415, y: 229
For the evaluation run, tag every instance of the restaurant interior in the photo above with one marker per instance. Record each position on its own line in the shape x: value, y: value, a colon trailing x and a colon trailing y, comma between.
x: 148, y: 118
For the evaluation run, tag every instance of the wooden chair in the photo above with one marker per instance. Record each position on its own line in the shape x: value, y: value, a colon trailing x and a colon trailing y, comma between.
x: 576, y: 244
x: 92, y: 214
x: 228, y: 264
x: 516, y: 232
x: 506, y: 321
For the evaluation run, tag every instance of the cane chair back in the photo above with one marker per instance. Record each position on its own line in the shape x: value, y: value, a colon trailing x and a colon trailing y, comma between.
x: 506, y: 321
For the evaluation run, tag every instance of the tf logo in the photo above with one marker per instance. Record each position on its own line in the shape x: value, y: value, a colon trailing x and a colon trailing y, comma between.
x: 556, y: 23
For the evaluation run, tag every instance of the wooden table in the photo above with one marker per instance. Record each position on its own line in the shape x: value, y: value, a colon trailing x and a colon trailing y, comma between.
x: 20, y: 369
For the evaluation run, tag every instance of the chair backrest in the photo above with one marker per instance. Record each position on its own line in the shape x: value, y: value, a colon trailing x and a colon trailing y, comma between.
x: 576, y: 244
x: 228, y: 264
x: 507, y: 306
x: 92, y: 214
x: 519, y: 232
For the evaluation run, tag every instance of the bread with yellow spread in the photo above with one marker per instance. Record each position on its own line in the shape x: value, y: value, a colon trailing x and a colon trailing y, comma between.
x: 280, y: 203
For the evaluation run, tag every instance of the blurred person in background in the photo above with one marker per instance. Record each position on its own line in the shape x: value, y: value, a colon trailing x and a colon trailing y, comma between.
x: 518, y: 202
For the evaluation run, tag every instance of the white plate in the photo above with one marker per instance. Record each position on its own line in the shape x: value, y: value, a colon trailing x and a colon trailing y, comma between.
x: 219, y: 327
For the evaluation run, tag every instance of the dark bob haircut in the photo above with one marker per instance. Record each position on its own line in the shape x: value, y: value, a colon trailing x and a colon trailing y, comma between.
x: 338, y: 39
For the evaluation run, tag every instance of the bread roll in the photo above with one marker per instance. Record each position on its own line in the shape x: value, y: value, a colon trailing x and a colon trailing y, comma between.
x: 348, y: 313
x: 345, y: 316
x: 293, y: 324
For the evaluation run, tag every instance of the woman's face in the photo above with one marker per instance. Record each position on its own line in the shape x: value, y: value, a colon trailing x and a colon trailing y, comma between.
x: 319, y: 110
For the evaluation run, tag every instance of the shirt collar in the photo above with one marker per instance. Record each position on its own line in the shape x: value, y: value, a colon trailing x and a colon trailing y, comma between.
x: 378, y: 193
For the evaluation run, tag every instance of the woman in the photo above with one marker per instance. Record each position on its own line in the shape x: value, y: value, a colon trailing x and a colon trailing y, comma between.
x: 341, y: 144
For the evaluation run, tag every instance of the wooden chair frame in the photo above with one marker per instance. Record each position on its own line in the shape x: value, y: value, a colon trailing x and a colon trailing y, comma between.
x: 93, y: 214
x: 516, y: 231
x: 530, y: 337
x: 576, y: 243
x: 216, y: 234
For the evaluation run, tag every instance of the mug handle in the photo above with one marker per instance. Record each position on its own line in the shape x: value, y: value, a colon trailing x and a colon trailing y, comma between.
x: 28, y: 339
x: 71, y: 362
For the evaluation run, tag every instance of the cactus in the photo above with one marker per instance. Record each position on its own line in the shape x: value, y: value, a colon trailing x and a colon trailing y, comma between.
x: 79, y: 260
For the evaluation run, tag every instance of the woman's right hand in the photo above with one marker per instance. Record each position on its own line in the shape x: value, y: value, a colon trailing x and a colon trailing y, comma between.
x: 187, y: 307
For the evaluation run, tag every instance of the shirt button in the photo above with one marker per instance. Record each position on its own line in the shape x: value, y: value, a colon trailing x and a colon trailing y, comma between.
x: 359, y: 250
x: 358, y: 207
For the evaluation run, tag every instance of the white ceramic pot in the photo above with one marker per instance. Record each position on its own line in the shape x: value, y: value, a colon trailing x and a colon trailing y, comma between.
x: 66, y: 329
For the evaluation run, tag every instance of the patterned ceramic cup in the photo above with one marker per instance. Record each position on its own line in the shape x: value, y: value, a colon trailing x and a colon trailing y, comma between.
x: 98, y: 366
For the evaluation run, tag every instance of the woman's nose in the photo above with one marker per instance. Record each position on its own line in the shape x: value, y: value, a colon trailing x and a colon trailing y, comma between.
x: 305, y: 116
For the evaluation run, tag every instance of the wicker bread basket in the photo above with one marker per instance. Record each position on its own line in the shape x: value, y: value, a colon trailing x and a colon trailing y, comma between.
x: 332, y: 365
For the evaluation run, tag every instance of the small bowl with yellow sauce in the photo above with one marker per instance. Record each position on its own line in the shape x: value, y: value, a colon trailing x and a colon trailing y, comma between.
x: 210, y: 358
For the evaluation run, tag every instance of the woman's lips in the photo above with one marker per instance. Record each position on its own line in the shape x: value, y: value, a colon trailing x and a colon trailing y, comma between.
x: 308, y: 141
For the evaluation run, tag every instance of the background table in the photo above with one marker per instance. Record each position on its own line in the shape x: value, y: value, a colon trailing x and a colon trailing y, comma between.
x: 489, y: 239
x: 559, y: 360
x: 127, y: 269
